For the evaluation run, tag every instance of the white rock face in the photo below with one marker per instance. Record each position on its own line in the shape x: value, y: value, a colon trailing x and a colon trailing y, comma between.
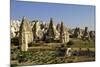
x: 67, y: 37
x: 29, y: 31
x: 13, y: 34
x: 77, y: 33
x: 25, y: 34
x: 64, y: 35
x: 37, y: 31
x: 52, y: 32
x: 56, y: 33
x: 86, y: 34
x: 15, y: 24
x: 92, y: 34
x: 68, y: 52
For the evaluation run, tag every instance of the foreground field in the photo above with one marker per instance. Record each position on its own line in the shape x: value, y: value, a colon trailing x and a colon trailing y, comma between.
x: 53, y: 53
x: 48, y: 57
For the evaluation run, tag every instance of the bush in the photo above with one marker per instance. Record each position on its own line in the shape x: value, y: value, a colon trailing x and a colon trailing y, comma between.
x: 13, y: 65
x: 50, y: 40
x: 30, y: 44
x: 15, y: 41
x: 70, y: 43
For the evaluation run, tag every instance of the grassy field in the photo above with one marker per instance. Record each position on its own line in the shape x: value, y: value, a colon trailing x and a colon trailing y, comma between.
x: 78, y: 43
x: 46, y: 57
x: 46, y: 53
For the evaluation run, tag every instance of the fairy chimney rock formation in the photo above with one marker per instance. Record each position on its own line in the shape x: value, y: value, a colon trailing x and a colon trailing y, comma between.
x: 86, y: 34
x: 25, y: 34
x: 50, y: 32
x: 64, y: 35
x: 37, y: 32
x: 77, y: 33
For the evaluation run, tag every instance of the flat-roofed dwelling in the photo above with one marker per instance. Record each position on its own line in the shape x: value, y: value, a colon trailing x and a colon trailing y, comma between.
x: 25, y: 34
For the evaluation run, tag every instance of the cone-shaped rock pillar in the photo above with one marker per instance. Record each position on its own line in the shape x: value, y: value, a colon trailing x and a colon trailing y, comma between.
x: 25, y: 34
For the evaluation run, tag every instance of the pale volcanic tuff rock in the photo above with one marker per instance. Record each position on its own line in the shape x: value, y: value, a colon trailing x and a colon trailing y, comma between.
x: 64, y: 35
x: 12, y: 32
x: 92, y: 34
x: 52, y: 33
x: 30, y: 31
x: 77, y: 33
x: 25, y: 34
x: 37, y: 31
x: 58, y: 27
x: 15, y: 24
x: 86, y: 34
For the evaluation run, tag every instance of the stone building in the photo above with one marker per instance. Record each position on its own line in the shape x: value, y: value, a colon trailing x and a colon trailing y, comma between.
x: 64, y: 35
x: 25, y: 34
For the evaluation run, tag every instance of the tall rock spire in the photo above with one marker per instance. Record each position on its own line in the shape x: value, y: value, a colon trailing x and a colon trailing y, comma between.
x: 50, y: 31
x: 34, y: 30
x: 86, y: 34
x: 25, y: 34
x: 62, y: 28
x: 37, y: 32
x: 64, y: 36
x: 58, y: 27
x: 77, y: 33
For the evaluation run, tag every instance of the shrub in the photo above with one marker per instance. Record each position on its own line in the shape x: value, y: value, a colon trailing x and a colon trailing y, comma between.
x: 15, y: 41
x: 70, y: 43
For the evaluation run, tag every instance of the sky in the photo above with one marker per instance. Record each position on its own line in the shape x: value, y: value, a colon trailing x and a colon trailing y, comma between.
x: 72, y: 15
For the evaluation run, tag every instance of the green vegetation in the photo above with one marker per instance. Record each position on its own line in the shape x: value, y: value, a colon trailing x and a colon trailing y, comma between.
x: 46, y: 56
x: 15, y: 41
x: 78, y: 43
x: 74, y: 43
x: 70, y: 43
